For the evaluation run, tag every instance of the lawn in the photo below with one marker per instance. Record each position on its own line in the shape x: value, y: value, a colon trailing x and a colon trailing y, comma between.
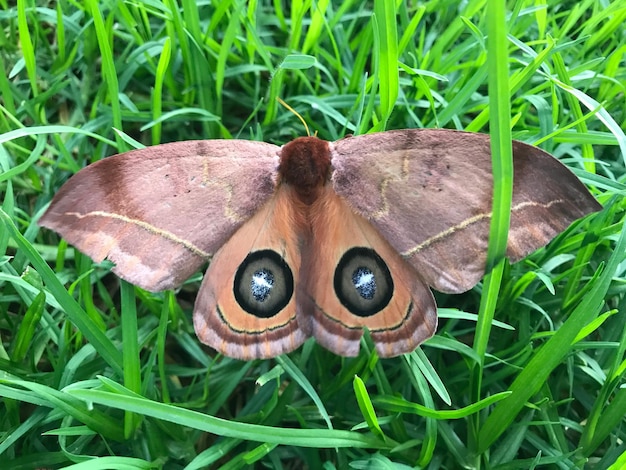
x: 526, y: 370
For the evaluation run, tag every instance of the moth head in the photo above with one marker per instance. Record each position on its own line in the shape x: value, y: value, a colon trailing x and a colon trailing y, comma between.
x: 305, y: 164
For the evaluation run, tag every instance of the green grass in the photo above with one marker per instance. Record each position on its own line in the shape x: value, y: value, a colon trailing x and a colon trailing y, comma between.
x: 526, y: 371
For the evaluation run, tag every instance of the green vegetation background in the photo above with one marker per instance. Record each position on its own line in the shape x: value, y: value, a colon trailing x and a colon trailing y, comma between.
x: 526, y: 370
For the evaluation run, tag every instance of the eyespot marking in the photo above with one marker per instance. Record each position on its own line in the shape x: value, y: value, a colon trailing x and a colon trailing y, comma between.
x: 362, y: 282
x: 263, y: 284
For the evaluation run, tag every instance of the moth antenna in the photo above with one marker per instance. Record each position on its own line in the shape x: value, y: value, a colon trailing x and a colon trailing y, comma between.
x: 289, y: 108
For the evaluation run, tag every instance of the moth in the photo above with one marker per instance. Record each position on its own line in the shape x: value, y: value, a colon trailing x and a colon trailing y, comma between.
x: 313, y: 238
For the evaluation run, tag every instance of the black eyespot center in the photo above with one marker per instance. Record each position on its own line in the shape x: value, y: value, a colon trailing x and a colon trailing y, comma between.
x: 364, y: 282
x: 261, y: 284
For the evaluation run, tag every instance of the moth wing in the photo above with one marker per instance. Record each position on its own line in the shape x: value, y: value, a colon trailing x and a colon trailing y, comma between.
x: 246, y: 307
x: 161, y: 212
x: 352, y: 278
x: 429, y: 193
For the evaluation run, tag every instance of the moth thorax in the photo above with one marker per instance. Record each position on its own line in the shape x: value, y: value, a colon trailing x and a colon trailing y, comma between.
x: 263, y: 284
x: 362, y: 282
x: 305, y: 165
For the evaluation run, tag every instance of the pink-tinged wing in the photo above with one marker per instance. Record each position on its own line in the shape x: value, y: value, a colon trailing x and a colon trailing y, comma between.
x: 429, y: 193
x: 161, y: 212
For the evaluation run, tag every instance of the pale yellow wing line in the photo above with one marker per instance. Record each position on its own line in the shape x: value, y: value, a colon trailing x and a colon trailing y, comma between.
x: 472, y: 220
x: 384, y: 211
x: 148, y: 227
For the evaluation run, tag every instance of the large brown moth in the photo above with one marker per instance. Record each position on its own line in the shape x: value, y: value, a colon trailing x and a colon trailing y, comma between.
x: 313, y: 238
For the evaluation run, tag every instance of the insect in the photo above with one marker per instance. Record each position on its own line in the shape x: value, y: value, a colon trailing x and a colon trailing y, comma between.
x: 313, y: 238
